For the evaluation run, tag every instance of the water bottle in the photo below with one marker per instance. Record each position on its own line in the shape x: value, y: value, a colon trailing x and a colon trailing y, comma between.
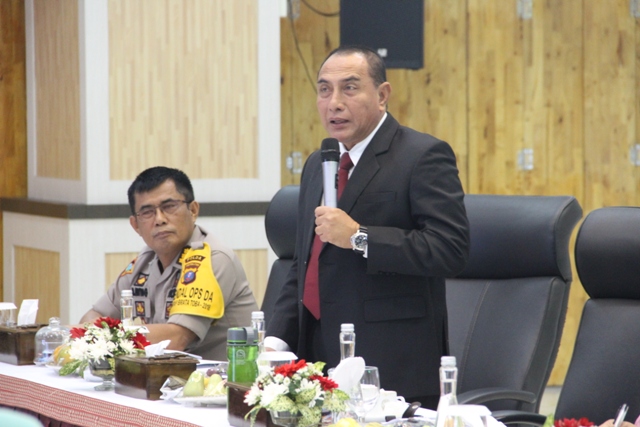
x: 47, y: 339
x: 126, y: 308
x: 257, y: 322
x: 242, y: 353
x: 448, y: 382
x: 347, y: 341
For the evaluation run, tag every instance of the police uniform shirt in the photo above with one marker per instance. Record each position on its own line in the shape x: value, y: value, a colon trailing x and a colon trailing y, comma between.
x: 153, y: 293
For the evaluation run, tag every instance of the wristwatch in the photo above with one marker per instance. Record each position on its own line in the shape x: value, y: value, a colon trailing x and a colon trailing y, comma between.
x: 359, y: 240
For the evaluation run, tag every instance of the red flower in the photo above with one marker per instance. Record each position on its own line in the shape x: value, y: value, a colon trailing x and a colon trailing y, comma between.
x: 572, y: 422
x: 77, y: 332
x: 140, y: 341
x: 110, y: 322
x: 326, y: 383
x: 290, y: 368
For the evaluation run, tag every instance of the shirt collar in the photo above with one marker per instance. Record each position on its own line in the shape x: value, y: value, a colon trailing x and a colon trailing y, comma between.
x: 356, y: 151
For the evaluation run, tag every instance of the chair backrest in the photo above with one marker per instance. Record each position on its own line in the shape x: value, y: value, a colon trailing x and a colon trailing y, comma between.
x: 605, y: 367
x: 507, y: 308
x: 280, y: 224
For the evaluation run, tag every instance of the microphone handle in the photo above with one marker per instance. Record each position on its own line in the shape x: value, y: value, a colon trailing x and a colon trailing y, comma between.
x: 330, y: 183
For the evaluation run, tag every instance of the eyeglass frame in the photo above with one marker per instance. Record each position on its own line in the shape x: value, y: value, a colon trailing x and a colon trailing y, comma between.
x: 156, y: 207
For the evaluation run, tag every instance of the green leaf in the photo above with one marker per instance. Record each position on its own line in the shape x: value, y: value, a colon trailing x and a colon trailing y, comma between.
x: 70, y: 368
x: 549, y: 421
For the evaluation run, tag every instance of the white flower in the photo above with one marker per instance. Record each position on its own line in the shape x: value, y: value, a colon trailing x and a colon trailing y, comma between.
x: 271, y: 392
x: 253, y: 396
x: 127, y: 346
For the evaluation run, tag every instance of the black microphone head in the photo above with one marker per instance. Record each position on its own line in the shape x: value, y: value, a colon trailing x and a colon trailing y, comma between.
x: 330, y: 150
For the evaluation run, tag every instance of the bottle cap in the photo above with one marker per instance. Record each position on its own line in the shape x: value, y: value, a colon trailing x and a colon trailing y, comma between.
x: 347, y: 327
x: 126, y: 293
x: 257, y: 315
x: 448, y: 361
x: 242, y: 336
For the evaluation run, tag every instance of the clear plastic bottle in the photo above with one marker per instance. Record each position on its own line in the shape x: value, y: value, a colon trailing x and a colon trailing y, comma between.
x: 126, y: 307
x: 347, y: 341
x: 257, y: 322
x: 47, y: 339
x: 242, y: 352
x: 448, y: 397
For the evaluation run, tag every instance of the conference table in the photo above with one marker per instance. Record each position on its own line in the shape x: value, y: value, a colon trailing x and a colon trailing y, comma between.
x: 73, y: 401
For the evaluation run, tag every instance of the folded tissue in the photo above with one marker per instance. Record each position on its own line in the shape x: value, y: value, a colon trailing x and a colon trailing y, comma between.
x: 153, y: 350
x: 348, y: 373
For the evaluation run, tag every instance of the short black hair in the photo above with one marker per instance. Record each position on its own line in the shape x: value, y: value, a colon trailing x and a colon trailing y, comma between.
x: 377, y: 69
x: 154, y: 177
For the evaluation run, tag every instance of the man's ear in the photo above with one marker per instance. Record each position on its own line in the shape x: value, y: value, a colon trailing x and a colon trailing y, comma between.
x: 194, y: 208
x: 134, y: 224
x: 384, y: 92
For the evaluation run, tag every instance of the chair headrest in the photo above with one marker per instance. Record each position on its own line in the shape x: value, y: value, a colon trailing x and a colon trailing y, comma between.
x: 281, y: 221
x: 608, y: 253
x: 520, y: 236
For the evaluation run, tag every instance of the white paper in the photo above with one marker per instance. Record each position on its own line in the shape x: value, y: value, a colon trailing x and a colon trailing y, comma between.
x: 7, y: 306
x: 28, y: 312
x: 153, y: 350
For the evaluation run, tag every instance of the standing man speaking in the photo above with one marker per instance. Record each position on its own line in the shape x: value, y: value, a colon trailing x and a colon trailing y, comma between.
x: 379, y: 258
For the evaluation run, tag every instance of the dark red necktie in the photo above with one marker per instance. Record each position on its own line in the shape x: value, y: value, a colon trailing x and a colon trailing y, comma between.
x: 311, y: 297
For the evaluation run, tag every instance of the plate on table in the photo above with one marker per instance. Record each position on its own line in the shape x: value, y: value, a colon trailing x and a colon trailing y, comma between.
x: 53, y: 366
x: 220, y: 400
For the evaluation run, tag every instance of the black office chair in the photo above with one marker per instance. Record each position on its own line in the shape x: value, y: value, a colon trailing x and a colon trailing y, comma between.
x: 507, y: 308
x: 280, y: 224
x: 604, y: 369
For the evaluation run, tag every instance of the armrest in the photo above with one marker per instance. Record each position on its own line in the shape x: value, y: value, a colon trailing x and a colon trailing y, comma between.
x: 490, y: 394
x: 519, y: 417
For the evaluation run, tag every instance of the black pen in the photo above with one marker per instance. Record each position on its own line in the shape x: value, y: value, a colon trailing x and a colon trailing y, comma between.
x: 622, y: 412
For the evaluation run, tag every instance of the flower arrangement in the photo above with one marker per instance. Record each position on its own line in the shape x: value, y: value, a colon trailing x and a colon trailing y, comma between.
x: 299, y: 388
x: 106, y: 338
x: 568, y: 422
x: 572, y: 422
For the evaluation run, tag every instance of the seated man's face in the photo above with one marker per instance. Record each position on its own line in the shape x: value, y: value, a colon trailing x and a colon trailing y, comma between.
x: 167, y: 233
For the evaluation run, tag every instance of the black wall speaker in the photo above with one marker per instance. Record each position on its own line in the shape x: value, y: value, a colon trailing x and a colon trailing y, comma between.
x: 393, y: 28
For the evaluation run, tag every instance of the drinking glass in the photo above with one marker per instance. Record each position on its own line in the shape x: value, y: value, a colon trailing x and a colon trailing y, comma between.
x: 364, y: 396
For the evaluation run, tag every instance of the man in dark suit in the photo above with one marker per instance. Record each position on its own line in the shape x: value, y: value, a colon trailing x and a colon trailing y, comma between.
x: 399, y: 229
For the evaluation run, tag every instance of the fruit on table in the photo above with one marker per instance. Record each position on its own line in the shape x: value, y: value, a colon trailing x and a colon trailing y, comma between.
x: 346, y: 422
x: 61, y: 355
x: 215, y: 386
x: 195, y: 385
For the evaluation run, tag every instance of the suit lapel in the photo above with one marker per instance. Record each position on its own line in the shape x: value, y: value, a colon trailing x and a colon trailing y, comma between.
x: 368, y: 165
x: 314, y: 190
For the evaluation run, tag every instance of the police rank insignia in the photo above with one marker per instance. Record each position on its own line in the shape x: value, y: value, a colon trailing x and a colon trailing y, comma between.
x: 141, y: 280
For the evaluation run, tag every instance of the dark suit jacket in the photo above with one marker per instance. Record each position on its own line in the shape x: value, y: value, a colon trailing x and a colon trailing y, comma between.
x: 406, y: 190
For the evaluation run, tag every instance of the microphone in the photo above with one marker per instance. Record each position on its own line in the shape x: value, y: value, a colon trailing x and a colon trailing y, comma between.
x: 330, y: 154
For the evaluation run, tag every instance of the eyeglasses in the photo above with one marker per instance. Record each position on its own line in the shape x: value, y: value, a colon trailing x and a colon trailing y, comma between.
x: 169, y: 208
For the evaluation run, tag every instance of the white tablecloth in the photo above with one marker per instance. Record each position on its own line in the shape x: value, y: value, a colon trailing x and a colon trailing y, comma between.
x: 73, y: 400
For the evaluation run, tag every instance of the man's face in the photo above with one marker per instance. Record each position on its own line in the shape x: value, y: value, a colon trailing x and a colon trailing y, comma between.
x: 166, y: 233
x: 349, y: 103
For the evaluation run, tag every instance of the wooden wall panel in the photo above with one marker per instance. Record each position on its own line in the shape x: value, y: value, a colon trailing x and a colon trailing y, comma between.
x: 115, y: 263
x: 254, y: 262
x: 57, y: 71
x: 13, y: 110
x: 610, y: 106
x: 495, y: 96
x: 316, y: 36
x: 37, y: 276
x: 176, y: 99
x: 433, y: 99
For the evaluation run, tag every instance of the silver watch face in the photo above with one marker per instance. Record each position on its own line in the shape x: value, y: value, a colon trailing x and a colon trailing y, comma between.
x: 359, y: 241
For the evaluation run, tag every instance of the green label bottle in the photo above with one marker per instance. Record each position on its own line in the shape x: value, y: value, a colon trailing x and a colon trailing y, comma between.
x: 242, y: 353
